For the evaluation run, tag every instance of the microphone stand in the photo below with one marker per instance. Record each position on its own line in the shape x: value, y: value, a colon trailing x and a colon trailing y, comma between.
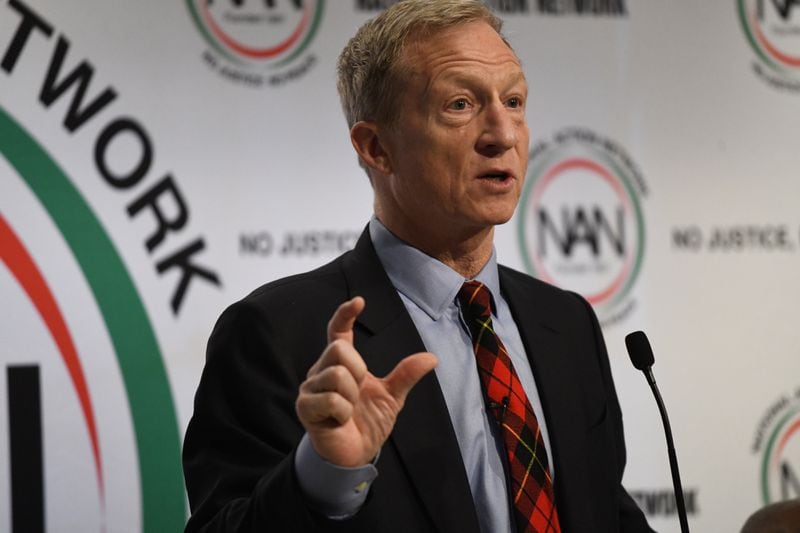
x: 673, y: 460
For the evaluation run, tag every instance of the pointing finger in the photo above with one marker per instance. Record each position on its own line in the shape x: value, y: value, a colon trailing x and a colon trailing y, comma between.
x: 341, y: 323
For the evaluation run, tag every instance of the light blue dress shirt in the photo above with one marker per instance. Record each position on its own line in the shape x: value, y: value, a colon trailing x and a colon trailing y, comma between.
x: 428, y: 289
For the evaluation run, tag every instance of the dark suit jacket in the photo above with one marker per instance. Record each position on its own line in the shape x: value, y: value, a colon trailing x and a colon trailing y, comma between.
x: 239, y: 447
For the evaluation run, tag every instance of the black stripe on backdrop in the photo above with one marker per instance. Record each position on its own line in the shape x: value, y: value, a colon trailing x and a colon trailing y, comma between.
x: 25, y: 443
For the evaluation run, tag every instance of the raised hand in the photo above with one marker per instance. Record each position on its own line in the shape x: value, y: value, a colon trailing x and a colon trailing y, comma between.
x: 347, y: 412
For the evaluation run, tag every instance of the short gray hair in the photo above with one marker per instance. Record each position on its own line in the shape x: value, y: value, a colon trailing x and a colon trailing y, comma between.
x: 369, y: 71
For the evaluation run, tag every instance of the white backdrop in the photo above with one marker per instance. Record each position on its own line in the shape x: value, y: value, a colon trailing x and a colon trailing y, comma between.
x: 664, y: 134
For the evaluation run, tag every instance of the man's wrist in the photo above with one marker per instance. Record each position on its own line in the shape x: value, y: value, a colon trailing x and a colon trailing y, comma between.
x: 334, y: 491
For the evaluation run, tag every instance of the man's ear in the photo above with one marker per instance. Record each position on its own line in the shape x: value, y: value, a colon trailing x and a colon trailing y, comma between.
x: 370, y: 146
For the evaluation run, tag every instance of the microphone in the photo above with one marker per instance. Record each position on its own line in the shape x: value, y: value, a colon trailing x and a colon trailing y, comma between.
x: 642, y: 358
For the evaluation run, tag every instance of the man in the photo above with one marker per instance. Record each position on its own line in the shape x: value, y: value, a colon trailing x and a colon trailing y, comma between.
x: 303, y: 423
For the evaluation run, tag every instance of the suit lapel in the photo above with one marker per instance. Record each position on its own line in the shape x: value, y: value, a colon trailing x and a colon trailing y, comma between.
x: 385, y: 334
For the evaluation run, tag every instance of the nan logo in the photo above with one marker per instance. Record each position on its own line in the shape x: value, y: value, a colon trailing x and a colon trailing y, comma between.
x: 776, y: 444
x: 772, y: 28
x: 580, y: 224
x: 255, y: 42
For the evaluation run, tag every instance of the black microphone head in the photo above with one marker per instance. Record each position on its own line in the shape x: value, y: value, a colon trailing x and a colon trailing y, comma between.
x: 639, y: 349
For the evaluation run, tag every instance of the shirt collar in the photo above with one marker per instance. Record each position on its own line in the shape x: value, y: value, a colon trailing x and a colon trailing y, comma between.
x: 426, y: 281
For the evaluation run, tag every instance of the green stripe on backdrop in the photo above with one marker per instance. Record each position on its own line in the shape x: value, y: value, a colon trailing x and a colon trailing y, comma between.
x: 147, y: 387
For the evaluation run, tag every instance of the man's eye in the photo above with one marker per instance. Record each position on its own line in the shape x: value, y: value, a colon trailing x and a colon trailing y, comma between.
x: 459, y: 104
x: 515, y: 102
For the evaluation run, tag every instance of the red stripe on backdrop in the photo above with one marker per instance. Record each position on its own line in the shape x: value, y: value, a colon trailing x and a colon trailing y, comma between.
x: 258, y: 53
x: 786, y: 436
x: 22, y: 266
x: 791, y: 61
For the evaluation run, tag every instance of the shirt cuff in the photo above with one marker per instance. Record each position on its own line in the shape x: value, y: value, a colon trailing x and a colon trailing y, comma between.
x: 335, y: 491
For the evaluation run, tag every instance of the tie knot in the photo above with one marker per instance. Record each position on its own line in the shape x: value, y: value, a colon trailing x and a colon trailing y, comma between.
x: 475, y: 299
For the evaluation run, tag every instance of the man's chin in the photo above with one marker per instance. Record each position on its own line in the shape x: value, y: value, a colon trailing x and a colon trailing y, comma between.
x: 489, y: 222
x: 499, y: 217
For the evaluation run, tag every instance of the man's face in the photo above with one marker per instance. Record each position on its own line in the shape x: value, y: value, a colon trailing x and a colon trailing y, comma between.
x: 458, y: 150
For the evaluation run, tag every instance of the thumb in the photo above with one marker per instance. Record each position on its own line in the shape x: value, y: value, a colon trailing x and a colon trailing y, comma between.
x: 408, y: 372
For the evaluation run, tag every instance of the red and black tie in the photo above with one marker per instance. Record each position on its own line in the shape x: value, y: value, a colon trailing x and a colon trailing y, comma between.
x: 531, y: 487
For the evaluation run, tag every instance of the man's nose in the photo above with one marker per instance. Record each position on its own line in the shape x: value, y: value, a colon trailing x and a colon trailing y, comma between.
x: 500, y: 130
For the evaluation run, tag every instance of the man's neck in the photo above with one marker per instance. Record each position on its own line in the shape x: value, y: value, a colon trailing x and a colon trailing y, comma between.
x: 466, y: 253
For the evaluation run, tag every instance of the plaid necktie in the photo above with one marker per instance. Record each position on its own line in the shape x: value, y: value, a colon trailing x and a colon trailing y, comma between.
x: 531, y: 487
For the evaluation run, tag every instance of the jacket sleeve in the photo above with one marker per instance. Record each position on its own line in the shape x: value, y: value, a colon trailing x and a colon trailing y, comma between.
x: 239, y: 447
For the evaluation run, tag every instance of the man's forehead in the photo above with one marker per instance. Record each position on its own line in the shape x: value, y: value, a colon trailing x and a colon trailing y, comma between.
x: 475, y: 77
x: 431, y: 59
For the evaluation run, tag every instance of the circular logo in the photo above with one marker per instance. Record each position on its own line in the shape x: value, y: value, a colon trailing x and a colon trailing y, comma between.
x: 268, y: 33
x: 101, y: 364
x: 581, y: 225
x: 780, y: 455
x: 772, y: 28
